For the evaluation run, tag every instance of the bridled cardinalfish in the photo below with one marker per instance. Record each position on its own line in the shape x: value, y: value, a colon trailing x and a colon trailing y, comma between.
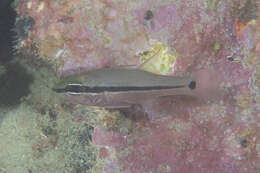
x: 122, y: 88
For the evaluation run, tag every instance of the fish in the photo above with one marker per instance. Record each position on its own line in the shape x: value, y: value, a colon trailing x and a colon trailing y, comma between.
x: 114, y: 88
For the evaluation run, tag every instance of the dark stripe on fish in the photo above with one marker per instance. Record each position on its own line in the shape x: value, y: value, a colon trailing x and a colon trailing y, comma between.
x: 86, y: 89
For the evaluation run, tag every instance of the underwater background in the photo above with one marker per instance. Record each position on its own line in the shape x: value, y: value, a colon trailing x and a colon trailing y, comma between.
x: 215, y: 41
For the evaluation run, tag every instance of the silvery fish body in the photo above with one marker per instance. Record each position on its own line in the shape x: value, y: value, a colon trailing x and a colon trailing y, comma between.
x: 118, y: 87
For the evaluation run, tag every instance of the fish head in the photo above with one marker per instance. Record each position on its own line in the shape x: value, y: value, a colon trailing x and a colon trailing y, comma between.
x: 68, y: 85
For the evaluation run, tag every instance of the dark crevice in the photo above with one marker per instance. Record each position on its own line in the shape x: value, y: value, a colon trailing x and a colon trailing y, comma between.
x: 14, y: 79
x: 7, y: 35
x: 14, y: 84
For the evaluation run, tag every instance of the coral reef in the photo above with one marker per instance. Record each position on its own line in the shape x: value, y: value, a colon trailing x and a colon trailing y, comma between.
x: 43, y: 133
x: 216, y: 41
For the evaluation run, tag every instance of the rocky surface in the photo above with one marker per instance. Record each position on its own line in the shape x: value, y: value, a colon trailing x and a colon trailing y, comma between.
x: 215, y: 41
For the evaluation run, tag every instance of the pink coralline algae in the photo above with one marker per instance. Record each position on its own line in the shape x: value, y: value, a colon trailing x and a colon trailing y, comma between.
x: 217, y: 42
